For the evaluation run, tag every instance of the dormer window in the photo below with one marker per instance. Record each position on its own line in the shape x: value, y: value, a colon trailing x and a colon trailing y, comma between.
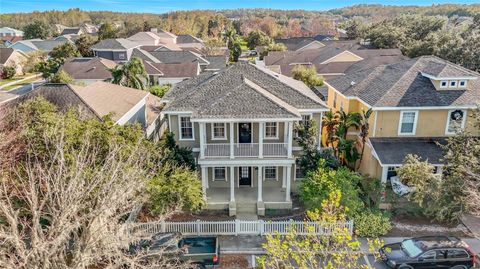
x: 443, y: 84
x: 462, y: 84
x: 453, y: 84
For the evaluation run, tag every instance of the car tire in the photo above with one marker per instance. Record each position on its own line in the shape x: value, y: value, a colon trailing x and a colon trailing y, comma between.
x: 404, y: 266
x: 459, y: 267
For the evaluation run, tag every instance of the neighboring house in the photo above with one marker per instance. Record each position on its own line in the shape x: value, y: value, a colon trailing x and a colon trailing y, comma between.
x: 10, y: 40
x: 13, y: 58
x: 89, y: 70
x: 123, y: 104
x: 171, y: 57
x: 188, y: 42
x: 333, y: 60
x: 70, y: 38
x: 172, y: 73
x: 416, y: 104
x: 217, y: 63
x: 240, y: 123
x: 119, y: 49
x: 72, y: 31
x: 30, y: 45
x: 7, y: 31
x: 300, y: 43
x: 153, y: 37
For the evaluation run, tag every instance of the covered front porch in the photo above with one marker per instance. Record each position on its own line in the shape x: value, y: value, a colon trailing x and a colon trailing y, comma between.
x: 251, y: 189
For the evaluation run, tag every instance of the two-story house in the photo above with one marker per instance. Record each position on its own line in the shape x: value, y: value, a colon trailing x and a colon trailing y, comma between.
x: 240, y: 123
x: 118, y: 49
x: 416, y: 104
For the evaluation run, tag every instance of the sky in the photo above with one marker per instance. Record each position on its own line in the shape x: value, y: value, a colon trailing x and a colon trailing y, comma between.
x: 162, y: 6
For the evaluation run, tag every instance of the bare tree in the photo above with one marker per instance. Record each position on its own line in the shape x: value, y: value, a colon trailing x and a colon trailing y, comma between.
x: 65, y: 208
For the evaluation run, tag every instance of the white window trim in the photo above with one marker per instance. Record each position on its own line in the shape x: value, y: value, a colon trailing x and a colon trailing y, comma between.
x: 224, y: 131
x: 453, y: 81
x: 462, y: 125
x: 414, y: 122
x: 446, y: 86
x: 265, y: 131
x: 464, y: 84
x: 306, y: 114
x: 180, y: 138
x: 219, y: 179
x: 276, y: 173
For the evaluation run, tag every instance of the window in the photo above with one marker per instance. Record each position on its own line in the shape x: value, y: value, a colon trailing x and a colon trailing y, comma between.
x: 306, y: 119
x: 121, y: 56
x: 443, y: 84
x: 244, y: 172
x: 218, y: 131
x: 430, y: 255
x: 455, y: 120
x: 299, y: 174
x: 270, y: 173
x: 457, y: 254
x: 271, y: 130
x: 186, y: 128
x: 462, y: 84
x: 408, y: 122
x: 453, y: 84
x: 219, y: 173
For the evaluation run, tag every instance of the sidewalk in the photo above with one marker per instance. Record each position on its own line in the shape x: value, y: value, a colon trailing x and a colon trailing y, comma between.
x: 472, y: 223
x: 252, y: 244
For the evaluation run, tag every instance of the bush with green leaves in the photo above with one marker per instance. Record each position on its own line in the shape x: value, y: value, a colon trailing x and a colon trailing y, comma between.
x: 371, y: 224
x: 160, y: 90
x: 8, y: 72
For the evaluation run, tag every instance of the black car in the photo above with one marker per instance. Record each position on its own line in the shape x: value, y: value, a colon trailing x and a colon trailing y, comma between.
x: 428, y: 252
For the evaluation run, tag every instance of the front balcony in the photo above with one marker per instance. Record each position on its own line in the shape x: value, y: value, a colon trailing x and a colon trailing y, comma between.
x: 246, y: 150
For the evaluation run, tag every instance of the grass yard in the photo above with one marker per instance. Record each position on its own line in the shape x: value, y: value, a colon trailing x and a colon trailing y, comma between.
x: 19, y: 84
x: 5, y: 81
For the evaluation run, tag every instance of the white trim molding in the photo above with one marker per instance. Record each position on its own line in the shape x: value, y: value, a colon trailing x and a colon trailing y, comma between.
x: 212, y: 129
x: 180, y: 135
x: 462, y: 124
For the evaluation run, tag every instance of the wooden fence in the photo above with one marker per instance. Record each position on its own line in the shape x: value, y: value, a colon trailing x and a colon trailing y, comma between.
x: 236, y: 227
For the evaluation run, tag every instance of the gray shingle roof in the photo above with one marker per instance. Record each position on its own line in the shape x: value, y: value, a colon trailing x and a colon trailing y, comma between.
x: 178, y: 57
x: 242, y: 90
x: 89, y: 68
x: 392, y: 151
x: 216, y: 62
x: 48, y: 45
x: 403, y: 85
x: 115, y: 44
x: 181, y: 39
x: 72, y: 30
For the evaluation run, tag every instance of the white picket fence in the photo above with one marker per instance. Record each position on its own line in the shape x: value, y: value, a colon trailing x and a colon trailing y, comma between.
x: 236, y: 227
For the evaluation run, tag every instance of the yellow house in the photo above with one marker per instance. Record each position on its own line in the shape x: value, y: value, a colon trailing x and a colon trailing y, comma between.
x: 416, y: 103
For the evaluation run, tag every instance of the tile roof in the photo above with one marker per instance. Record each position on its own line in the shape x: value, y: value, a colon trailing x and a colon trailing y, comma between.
x: 89, y: 68
x: 403, y: 85
x: 181, y: 39
x: 115, y: 44
x: 392, y: 151
x: 242, y: 90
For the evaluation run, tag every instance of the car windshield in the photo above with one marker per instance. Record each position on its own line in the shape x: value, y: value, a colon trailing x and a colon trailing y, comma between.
x: 411, y: 248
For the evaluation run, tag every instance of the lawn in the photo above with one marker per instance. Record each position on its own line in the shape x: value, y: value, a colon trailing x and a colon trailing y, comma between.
x: 19, y: 84
x: 5, y: 81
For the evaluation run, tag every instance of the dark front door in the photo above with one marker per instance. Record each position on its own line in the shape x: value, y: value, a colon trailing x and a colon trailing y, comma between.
x: 245, y: 173
x: 244, y: 133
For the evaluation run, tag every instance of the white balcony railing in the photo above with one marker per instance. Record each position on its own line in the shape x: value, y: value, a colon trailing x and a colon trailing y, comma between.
x: 246, y: 150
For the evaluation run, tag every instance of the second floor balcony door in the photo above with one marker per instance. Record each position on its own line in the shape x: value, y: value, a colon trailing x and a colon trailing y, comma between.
x: 245, y: 133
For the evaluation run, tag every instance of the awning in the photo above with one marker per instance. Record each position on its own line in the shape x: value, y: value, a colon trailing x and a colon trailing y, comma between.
x: 392, y: 151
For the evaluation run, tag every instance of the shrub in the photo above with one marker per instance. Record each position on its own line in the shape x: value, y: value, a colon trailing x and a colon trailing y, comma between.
x: 159, y: 90
x: 8, y: 72
x: 62, y: 77
x: 371, y: 224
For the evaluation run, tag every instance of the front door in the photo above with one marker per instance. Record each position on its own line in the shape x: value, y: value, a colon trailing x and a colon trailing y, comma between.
x: 245, y: 174
x: 245, y: 133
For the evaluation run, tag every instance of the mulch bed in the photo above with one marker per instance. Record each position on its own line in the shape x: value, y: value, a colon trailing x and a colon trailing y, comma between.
x: 234, y: 262
x: 409, y: 226
x: 207, y: 215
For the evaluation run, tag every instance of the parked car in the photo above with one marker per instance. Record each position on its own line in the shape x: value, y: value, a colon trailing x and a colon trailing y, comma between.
x: 428, y: 252
x: 200, y: 251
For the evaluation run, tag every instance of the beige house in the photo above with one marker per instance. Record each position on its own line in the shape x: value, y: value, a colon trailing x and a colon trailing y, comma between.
x: 416, y: 104
x: 13, y: 58
x: 240, y: 123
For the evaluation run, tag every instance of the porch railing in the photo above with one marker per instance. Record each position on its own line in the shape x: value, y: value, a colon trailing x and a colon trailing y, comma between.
x: 246, y: 150
x: 237, y: 227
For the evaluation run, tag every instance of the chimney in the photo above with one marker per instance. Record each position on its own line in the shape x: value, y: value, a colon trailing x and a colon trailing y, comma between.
x: 154, y: 30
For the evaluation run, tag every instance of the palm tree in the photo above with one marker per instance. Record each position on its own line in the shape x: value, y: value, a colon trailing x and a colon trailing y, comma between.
x: 364, y: 131
x: 347, y: 120
x: 348, y: 153
x: 330, y: 123
x: 131, y: 74
x: 229, y: 35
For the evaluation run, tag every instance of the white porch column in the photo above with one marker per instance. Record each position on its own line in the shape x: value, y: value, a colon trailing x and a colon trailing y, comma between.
x: 384, y: 175
x: 260, y: 139
x: 202, y: 140
x: 232, y: 184
x: 284, y: 177
x: 232, y: 135
x: 260, y: 183
x: 289, y: 177
x: 204, y: 181
x: 290, y: 139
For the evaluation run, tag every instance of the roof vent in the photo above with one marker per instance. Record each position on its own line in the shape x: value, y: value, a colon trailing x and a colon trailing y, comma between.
x: 352, y: 83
